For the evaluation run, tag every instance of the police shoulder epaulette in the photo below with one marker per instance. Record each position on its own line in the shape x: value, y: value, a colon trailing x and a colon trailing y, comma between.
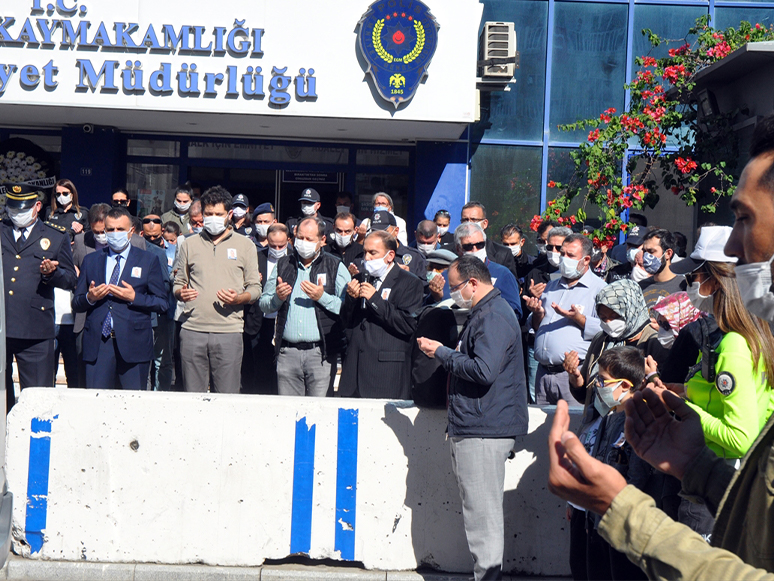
x: 55, y: 226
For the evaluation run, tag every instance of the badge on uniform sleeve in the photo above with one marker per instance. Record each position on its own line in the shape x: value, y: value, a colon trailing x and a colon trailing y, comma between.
x: 322, y: 279
x: 386, y: 293
x: 136, y: 272
x: 725, y: 383
x: 406, y: 259
x: 232, y: 254
x: 45, y: 243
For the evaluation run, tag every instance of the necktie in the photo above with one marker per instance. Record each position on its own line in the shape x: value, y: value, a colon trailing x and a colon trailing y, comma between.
x: 22, y: 239
x: 107, y: 325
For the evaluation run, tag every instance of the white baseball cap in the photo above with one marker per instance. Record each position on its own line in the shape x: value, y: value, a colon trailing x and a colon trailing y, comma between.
x: 709, y: 247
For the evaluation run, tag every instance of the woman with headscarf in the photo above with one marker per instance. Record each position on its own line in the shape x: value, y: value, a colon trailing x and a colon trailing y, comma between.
x: 625, y: 321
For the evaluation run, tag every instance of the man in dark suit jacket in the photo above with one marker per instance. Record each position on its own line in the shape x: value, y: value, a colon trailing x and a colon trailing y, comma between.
x: 475, y: 212
x: 118, y: 289
x: 380, y: 311
x: 36, y: 258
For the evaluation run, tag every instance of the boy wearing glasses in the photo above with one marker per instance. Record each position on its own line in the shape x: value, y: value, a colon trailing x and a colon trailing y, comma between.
x: 621, y: 373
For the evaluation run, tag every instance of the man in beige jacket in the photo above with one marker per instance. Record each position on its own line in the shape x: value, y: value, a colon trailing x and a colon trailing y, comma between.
x: 742, y: 500
x: 217, y: 274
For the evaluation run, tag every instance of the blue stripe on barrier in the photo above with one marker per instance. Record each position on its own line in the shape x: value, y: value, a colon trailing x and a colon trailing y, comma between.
x: 37, y: 483
x: 303, y: 485
x: 346, y: 484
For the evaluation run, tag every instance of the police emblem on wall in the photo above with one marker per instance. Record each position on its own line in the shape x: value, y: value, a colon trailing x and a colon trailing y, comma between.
x: 398, y: 39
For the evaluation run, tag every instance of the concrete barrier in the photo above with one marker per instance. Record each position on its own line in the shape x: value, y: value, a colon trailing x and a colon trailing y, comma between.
x: 232, y: 480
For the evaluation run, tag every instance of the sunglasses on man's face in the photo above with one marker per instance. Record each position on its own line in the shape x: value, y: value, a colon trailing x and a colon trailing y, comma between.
x: 151, y: 220
x: 121, y: 202
x: 553, y: 247
x: 471, y: 246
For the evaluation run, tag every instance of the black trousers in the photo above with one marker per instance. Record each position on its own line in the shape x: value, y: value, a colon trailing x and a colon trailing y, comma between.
x: 35, y: 362
x: 66, y: 345
x: 259, y: 373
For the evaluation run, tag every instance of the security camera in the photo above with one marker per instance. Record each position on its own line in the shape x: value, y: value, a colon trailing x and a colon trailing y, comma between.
x: 88, y: 128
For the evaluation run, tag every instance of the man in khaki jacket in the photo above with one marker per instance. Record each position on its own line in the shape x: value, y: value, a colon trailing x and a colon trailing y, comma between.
x: 217, y: 274
x: 742, y: 500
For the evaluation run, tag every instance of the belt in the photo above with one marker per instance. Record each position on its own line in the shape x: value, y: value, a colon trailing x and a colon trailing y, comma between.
x: 304, y: 345
x: 554, y: 369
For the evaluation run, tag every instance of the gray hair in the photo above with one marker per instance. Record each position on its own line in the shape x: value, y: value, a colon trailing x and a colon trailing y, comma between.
x: 382, y: 195
x: 466, y: 230
x: 586, y: 244
x: 562, y: 231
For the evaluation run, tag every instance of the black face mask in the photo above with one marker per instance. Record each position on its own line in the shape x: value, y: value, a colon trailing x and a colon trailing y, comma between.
x: 158, y: 241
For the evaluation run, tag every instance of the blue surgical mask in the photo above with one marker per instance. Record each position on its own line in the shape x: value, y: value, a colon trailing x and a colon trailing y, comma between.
x: 118, y: 241
x: 381, y: 209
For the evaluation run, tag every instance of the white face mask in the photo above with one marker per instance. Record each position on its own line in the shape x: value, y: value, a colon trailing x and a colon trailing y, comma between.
x: 606, y: 399
x: 101, y: 238
x: 64, y: 199
x: 569, y: 268
x: 614, y: 328
x: 480, y: 254
x: 515, y: 250
x: 639, y: 274
x: 239, y: 212
x: 215, y: 224
x: 631, y: 255
x: 22, y: 218
x: 182, y: 208
x: 276, y: 253
x: 425, y: 248
x: 376, y: 267
x: 460, y: 301
x: 305, y: 249
x: 342, y: 209
x: 118, y: 241
x: 341, y: 240
x: 698, y: 300
x: 308, y: 209
x: 666, y: 338
x: 442, y: 230
x: 754, y: 281
x: 262, y: 230
x: 554, y: 258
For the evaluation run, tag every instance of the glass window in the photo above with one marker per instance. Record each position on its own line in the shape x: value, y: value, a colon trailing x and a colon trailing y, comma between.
x: 265, y: 152
x: 506, y: 179
x: 368, y: 184
x: 669, y: 22
x: 153, y: 186
x: 589, y: 63
x: 152, y: 148
x: 389, y: 157
x: 518, y: 112
x: 50, y: 143
x: 560, y: 169
x: 725, y: 17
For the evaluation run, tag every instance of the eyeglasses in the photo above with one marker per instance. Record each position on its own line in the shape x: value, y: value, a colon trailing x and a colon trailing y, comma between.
x: 457, y: 287
x: 476, y: 220
x: 470, y: 246
x: 608, y: 382
x: 151, y: 220
x: 120, y: 202
x: 553, y: 247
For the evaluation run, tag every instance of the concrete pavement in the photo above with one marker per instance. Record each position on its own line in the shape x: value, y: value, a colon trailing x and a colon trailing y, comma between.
x: 19, y: 569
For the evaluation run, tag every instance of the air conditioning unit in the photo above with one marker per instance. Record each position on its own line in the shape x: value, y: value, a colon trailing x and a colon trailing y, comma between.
x: 497, y: 55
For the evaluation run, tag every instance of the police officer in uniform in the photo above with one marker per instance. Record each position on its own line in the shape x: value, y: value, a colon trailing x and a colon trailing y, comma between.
x: 241, y: 219
x: 36, y: 258
x: 407, y: 258
x: 310, y: 208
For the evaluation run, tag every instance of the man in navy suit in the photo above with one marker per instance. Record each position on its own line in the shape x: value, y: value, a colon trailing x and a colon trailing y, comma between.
x: 118, y: 289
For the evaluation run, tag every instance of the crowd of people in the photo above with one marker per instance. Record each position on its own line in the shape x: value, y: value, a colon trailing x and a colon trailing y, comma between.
x: 215, y: 295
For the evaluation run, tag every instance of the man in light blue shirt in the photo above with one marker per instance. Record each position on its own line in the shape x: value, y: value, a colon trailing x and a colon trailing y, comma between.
x: 307, y: 289
x: 564, y: 319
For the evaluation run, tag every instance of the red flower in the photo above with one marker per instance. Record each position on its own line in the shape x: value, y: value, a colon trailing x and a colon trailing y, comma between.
x: 720, y: 50
x: 674, y: 73
x: 679, y: 51
x: 648, y: 61
x: 534, y: 224
x: 593, y: 135
x: 685, y: 165
x: 552, y: 184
